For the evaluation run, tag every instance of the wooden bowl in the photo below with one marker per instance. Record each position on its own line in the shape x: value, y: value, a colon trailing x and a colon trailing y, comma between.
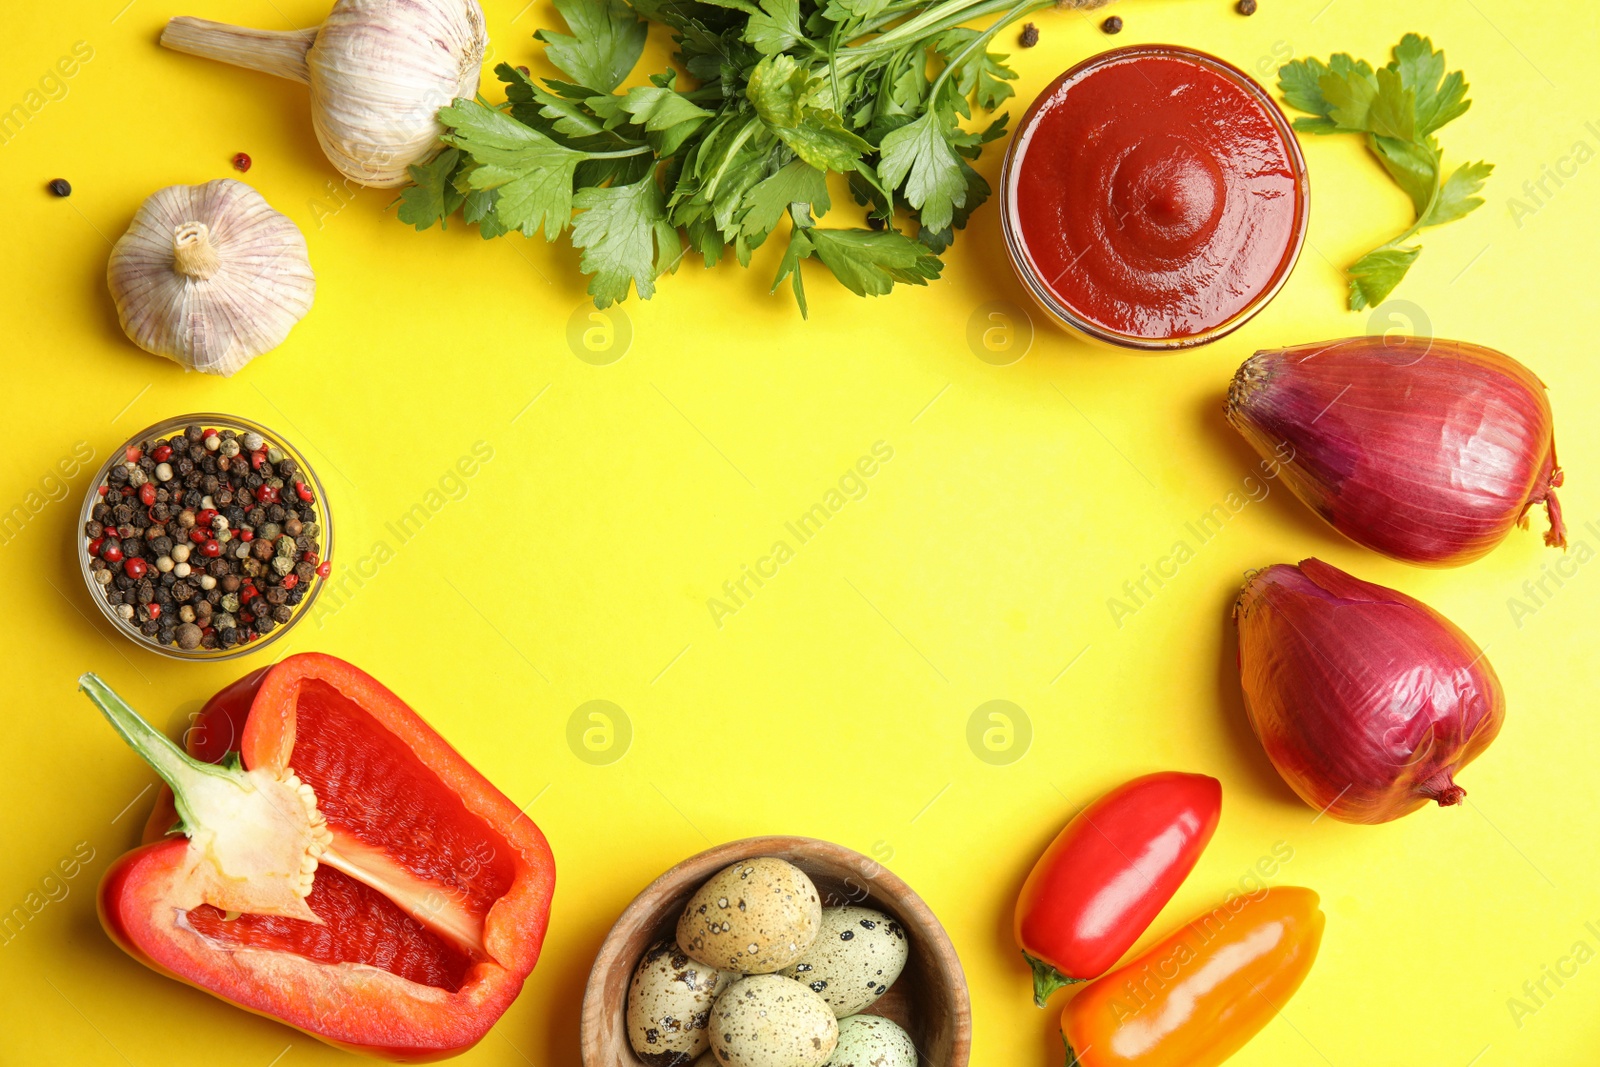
x: 929, y: 1000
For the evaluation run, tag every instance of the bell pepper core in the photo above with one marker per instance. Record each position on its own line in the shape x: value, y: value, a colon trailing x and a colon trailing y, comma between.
x: 426, y: 891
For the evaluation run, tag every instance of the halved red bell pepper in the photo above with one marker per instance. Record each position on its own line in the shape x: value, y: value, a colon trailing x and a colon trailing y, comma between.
x: 343, y: 869
x: 1109, y: 873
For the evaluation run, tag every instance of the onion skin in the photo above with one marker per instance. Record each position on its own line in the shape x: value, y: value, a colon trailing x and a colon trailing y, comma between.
x: 1367, y: 702
x: 1426, y: 450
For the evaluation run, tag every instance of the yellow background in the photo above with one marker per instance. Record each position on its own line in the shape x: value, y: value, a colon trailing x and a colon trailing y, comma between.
x: 835, y: 703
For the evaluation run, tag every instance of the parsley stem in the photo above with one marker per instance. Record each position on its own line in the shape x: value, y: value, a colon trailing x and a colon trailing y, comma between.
x: 641, y: 150
x: 981, y: 43
x: 1433, y: 198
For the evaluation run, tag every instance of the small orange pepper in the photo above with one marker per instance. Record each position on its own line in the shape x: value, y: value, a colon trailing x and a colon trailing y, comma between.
x: 1194, y: 999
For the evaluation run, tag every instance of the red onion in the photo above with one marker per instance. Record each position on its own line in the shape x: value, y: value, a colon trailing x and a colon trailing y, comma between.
x: 1368, y: 702
x: 1425, y: 450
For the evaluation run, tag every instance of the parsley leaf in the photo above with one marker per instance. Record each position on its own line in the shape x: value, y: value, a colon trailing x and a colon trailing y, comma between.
x: 532, y: 173
x: 625, y: 238
x: 432, y: 197
x: 779, y: 94
x: 607, y: 39
x: 919, y: 155
x: 1398, y: 107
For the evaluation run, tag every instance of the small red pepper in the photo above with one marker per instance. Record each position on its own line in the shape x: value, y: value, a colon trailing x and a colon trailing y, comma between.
x: 290, y: 581
x: 147, y: 494
x: 135, y: 568
x: 247, y: 535
x: 133, y: 454
x: 427, y: 896
x: 325, y: 568
x: 267, y: 494
x: 111, y: 552
x: 103, y: 490
x: 1109, y: 873
x: 161, y: 453
x: 211, y: 549
x: 155, y: 609
x: 94, y: 546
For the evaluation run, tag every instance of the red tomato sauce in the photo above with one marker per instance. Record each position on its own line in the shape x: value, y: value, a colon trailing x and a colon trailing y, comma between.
x: 1155, y: 193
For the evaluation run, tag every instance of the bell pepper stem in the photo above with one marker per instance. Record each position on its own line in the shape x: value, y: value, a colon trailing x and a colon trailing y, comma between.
x: 176, y: 767
x: 1072, y: 1056
x: 1046, y: 980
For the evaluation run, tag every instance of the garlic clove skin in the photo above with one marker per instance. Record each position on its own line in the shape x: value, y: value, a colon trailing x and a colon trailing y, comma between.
x: 379, y: 71
x: 1426, y: 450
x: 1367, y: 701
x: 210, y: 276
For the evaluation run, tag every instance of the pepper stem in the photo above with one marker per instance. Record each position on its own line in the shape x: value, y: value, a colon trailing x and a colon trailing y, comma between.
x: 1046, y: 980
x: 193, y: 254
x: 1072, y: 1057
x: 176, y: 767
x: 255, y: 836
x: 281, y: 53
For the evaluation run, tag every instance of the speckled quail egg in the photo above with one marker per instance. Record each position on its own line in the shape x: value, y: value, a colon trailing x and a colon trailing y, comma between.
x: 669, y: 1004
x: 755, y: 917
x: 767, y: 1020
x: 872, y: 1041
x: 856, y: 957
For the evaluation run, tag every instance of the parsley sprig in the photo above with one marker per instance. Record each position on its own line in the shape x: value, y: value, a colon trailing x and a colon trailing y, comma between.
x: 1399, y: 107
x: 735, y: 144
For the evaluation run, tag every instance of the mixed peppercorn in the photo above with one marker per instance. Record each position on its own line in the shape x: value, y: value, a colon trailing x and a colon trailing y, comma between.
x: 208, y: 539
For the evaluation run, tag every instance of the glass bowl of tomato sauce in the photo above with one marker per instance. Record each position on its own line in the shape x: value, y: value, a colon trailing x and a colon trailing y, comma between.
x: 1153, y: 198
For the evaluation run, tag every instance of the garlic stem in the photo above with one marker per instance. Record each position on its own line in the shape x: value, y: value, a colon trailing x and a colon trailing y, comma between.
x: 192, y: 252
x: 281, y: 53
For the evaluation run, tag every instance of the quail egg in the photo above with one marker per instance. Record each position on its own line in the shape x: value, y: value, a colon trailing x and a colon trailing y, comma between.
x: 856, y: 957
x: 669, y: 1005
x: 755, y: 917
x: 872, y: 1041
x: 767, y: 1020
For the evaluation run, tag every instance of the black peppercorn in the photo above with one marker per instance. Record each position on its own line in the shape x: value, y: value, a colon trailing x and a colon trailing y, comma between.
x: 60, y: 186
x: 1112, y: 24
x: 1030, y: 35
x: 1247, y: 7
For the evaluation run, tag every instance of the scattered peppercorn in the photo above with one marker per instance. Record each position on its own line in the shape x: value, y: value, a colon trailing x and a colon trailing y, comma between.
x: 1246, y: 7
x: 1112, y: 24
x: 241, y: 162
x: 193, y: 548
x: 1030, y: 35
x: 60, y: 187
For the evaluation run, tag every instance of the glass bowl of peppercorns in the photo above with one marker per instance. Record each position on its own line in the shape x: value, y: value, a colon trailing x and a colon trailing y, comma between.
x: 205, y: 537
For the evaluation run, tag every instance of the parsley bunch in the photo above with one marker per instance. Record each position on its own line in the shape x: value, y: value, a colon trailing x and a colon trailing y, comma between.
x: 777, y: 95
x: 1398, y: 107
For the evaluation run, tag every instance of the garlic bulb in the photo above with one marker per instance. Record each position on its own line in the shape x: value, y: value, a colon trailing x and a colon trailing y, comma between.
x: 210, y: 276
x: 379, y: 70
